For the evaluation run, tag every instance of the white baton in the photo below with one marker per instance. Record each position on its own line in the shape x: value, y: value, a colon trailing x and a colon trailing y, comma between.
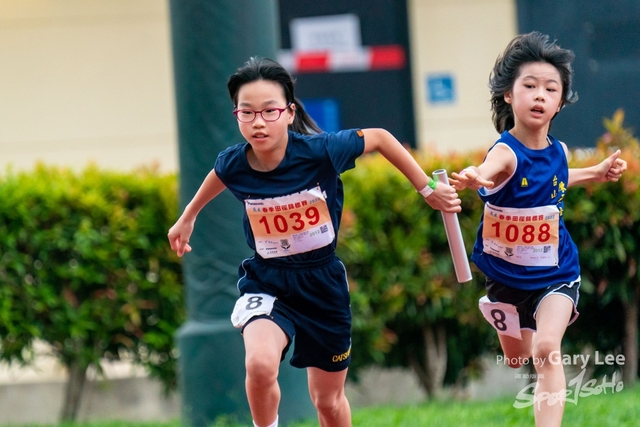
x: 454, y: 236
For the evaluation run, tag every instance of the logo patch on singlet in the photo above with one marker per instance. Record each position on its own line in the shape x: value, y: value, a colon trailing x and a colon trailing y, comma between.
x: 359, y: 133
x: 524, y: 182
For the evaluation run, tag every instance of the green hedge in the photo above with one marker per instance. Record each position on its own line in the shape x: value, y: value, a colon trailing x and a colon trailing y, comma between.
x: 604, y: 220
x: 85, y: 266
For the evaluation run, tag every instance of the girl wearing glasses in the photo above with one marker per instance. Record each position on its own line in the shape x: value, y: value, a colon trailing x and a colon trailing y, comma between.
x: 287, y: 175
x: 523, y: 248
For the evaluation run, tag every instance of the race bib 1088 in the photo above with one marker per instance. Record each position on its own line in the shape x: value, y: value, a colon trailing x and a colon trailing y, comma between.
x: 522, y: 236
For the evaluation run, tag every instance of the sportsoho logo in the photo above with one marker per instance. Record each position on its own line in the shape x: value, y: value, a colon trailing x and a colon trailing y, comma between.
x: 576, y: 387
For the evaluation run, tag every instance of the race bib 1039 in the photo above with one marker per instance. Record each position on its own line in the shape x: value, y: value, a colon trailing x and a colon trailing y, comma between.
x: 289, y: 225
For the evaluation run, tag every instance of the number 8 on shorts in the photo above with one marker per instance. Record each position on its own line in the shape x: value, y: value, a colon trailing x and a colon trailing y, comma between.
x: 503, y: 317
x: 250, y: 305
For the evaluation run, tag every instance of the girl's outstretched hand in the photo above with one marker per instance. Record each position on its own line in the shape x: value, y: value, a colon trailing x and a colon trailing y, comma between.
x: 179, y: 236
x: 611, y: 168
x: 468, y: 178
x: 444, y: 198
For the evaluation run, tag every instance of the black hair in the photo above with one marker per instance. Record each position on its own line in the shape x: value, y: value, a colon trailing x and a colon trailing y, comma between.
x: 524, y: 49
x: 266, y: 69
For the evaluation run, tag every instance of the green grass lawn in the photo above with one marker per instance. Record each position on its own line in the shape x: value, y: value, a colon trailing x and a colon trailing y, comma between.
x: 621, y: 409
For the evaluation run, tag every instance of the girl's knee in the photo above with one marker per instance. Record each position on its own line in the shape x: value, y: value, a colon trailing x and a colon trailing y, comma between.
x: 328, y: 405
x: 261, y: 370
x: 545, y: 348
x: 545, y: 356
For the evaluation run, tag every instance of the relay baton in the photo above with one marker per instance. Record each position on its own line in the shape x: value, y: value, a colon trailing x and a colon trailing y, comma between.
x: 454, y: 236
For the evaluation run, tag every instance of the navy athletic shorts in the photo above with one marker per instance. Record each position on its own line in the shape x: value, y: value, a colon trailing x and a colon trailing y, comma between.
x: 527, y: 301
x: 312, y: 304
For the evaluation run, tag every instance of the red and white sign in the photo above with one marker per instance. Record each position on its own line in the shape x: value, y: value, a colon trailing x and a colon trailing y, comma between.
x: 366, y: 58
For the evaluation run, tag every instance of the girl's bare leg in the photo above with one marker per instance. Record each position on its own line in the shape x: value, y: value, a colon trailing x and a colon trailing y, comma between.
x: 552, y: 319
x: 327, y: 394
x: 263, y: 342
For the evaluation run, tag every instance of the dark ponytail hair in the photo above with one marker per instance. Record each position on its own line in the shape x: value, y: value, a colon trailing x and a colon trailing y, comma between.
x: 524, y: 49
x: 267, y: 69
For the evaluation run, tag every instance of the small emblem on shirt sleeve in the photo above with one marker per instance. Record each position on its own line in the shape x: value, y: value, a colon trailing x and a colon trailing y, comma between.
x: 360, y: 133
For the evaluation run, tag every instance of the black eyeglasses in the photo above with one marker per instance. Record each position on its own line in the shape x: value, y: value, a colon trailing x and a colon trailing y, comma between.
x: 270, y: 114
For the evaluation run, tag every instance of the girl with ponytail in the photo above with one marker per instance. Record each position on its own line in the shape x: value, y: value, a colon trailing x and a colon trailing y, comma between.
x: 287, y: 175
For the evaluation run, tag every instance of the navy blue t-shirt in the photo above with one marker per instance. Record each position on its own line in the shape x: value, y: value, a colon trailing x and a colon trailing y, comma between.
x: 310, y: 161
